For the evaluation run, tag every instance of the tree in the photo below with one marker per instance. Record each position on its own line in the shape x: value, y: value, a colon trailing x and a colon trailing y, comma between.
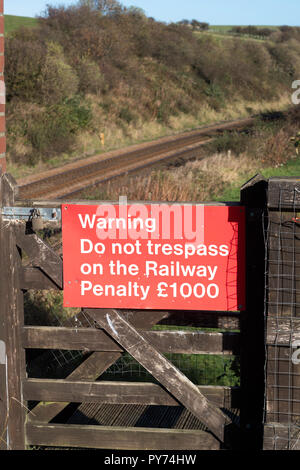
x: 204, y: 26
x: 136, y: 11
x: 199, y: 25
x: 106, y: 7
x: 184, y: 22
x: 195, y: 24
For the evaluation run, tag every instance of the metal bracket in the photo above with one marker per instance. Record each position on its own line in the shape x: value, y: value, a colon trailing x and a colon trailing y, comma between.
x: 24, y: 213
x: 2, y: 353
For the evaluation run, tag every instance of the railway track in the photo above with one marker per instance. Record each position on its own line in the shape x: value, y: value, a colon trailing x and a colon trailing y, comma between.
x: 74, y: 177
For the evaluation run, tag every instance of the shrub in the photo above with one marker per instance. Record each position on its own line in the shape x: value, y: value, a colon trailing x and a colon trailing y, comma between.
x: 24, y: 61
x: 52, y: 131
x: 90, y: 78
x: 127, y: 115
x: 230, y: 141
x: 57, y: 80
x: 276, y: 149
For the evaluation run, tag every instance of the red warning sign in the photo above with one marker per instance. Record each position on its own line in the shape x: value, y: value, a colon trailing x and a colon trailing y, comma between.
x: 158, y: 256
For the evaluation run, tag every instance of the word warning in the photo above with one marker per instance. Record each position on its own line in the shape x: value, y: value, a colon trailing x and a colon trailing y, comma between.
x: 158, y: 256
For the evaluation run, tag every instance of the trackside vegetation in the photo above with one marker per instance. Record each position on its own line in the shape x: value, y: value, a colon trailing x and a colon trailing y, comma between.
x: 84, y: 72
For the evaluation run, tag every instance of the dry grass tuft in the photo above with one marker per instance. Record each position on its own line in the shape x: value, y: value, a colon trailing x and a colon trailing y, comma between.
x: 199, y: 180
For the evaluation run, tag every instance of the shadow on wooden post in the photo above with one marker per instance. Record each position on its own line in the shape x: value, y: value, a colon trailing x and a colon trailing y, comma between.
x: 12, y: 361
x: 254, y: 198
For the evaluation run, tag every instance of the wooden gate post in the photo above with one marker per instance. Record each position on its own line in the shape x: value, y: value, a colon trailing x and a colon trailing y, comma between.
x: 12, y: 355
x: 253, y: 197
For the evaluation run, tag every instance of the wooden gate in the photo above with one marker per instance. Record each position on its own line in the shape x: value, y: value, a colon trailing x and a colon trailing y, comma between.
x: 30, y: 406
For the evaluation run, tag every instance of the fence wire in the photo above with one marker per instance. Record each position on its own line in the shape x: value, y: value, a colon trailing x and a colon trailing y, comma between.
x: 287, y: 438
x: 200, y: 369
x: 282, y: 317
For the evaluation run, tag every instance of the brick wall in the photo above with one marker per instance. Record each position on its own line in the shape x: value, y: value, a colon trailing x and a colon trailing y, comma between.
x: 2, y: 93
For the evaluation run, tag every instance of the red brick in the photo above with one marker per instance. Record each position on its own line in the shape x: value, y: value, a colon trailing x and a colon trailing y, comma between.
x: 2, y: 123
x: 1, y: 6
x: 2, y: 145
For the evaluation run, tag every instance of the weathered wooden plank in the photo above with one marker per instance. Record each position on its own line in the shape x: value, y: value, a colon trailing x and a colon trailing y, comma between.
x: 92, y: 339
x: 3, y: 311
x: 85, y: 339
x: 187, y: 342
x: 204, y: 319
x: 283, y: 385
x: 283, y: 322
x: 92, y: 368
x: 89, y: 370
x: 221, y: 320
x: 40, y: 254
x: 12, y: 405
x: 284, y: 265
x: 97, y: 392
x: 102, y: 437
x: 10, y: 190
x: 34, y: 278
x: 284, y: 193
x: 145, y: 318
x: 162, y: 369
x: 77, y: 391
x: 281, y: 437
x: 282, y: 331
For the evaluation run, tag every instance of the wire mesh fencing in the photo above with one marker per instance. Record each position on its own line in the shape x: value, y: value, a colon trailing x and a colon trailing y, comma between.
x: 282, y: 318
x: 200, y: 369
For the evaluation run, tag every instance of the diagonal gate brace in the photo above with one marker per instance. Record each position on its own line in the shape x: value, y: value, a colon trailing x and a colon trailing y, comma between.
x: 90, y: 369
x: 163, y: 370
x: 40, y: 254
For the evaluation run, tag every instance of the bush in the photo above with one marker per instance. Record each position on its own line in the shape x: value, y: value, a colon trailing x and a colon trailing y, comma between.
x: 230, y: 141
x: 90, y: 78
x: 52, y: 131
x: 57, y: 80
x: 252, y: 31
x: 24, y: 61
x: 127, y: 115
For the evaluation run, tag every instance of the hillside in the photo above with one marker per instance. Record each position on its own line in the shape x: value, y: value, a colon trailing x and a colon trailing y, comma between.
x: 228, y: 28
x: 85, y: 81
x: 13, y: 23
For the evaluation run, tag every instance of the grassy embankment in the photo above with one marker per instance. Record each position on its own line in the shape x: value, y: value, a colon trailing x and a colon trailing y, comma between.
x: 13, y: 23
x: 65, y: 89
x: 219, y: 169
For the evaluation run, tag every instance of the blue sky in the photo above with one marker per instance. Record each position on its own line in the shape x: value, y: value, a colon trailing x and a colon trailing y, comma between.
x: 239, y: 12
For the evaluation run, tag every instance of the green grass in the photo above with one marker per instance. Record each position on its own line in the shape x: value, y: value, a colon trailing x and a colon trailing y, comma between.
x: 292, y: 168
x: 222, y: 36
x: 226, y: 28
x: 15, y: 22
x: 201, y: 369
